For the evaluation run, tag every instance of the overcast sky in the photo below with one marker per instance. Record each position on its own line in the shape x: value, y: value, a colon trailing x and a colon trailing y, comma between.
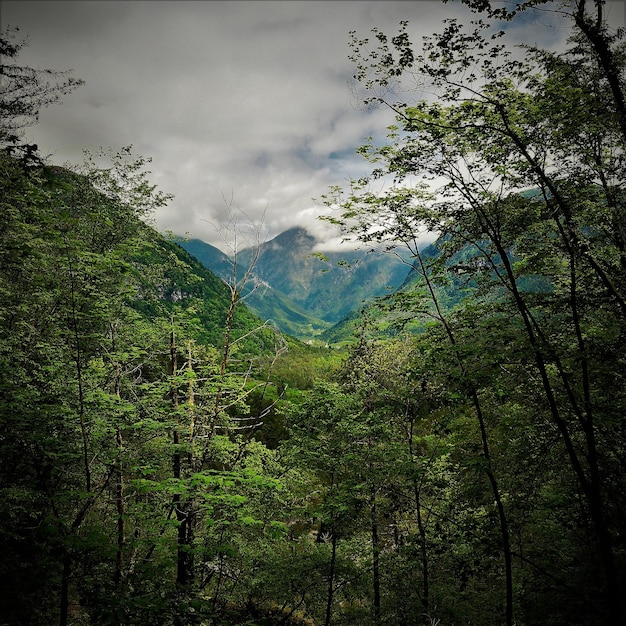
x: 235, y: 99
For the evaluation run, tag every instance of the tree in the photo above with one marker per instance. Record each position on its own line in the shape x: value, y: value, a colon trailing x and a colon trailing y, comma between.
x: 209, y: 392
x: 24, y: 91
x: 133, y: 488
x: 66, y: 283
x: 324, y: 436
x: 544, y: 242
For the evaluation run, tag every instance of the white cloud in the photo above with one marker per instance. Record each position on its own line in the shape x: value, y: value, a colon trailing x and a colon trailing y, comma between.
x: 229, y: 98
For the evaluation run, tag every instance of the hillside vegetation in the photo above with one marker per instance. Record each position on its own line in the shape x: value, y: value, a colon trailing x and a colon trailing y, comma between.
x: 304, y: 291
x: 168, y: 457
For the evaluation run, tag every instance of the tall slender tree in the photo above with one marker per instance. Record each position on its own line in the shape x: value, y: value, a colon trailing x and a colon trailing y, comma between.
x: 545, y: 239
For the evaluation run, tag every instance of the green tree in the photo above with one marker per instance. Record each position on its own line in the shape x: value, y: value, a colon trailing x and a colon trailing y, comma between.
x: 24, y: 91
x: 130, y: 476
x: 65, y: 284
x: 542, y: 244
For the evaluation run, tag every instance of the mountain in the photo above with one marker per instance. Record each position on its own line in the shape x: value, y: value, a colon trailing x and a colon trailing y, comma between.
x: 181, y: 282
x: 82, y: 245
x: 461, y: 282
x: 328, y: 285
x: 210, y: 256
x: 305, y: 291
x: 259, y: 296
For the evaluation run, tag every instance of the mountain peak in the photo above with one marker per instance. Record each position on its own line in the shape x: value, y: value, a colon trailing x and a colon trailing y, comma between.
x: 296, y: 237
x: 323, y: 289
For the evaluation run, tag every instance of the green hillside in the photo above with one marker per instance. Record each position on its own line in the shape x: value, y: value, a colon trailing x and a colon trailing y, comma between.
x: 260, y: 297
x: 305, y: 292
x: 168, y: 458
x: 126, y: 370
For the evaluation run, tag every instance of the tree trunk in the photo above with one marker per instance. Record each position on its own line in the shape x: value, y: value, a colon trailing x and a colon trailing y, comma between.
x: 119, y: 502
x: 421, y: 528
x: 65, y: 589
x: 181, y: 563
x: 502, y: 518
x: 119, y: 483
x: 375, y: 556
x: 589, y: 479
x: 331, y: 577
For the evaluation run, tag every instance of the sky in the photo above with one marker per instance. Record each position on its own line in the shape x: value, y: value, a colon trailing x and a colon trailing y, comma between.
x: 241, y: 104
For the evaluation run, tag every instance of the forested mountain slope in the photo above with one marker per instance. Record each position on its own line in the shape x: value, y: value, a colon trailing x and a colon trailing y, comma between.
x: 305, y: 291
x: 108, y: 331
x: 260, y: 296
x: 165, y: 459
x: 329, y: 284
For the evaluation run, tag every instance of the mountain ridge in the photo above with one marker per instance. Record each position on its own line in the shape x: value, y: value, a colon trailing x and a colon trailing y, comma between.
x: 303, y: 290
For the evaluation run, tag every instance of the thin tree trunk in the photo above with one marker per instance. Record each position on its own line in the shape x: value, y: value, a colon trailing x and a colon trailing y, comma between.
x: 421, y: 528
x: 65, y: 589
x: 331, y: 577
x: 504, y: 526
x: 590, y: 484
x: 502, y: 518
x: 181, y: 573
x: 121, y: 512
x: 597, y: 37
x: 119, y: 481
x: 67, y: 559
x: 375, y: 555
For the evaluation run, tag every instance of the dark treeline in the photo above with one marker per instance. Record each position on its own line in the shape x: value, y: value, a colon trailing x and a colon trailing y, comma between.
x: 167, y: 458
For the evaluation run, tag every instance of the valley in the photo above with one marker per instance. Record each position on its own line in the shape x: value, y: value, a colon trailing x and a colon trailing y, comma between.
x: 303, y: 291
x: 297, y: 436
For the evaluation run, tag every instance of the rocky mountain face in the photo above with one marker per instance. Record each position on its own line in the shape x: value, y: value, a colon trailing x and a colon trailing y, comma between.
x: 305, y: 291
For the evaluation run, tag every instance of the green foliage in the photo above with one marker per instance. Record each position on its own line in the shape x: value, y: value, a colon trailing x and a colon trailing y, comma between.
x: 91, y: 297
x: 167, y: 458
x: 537, y: 253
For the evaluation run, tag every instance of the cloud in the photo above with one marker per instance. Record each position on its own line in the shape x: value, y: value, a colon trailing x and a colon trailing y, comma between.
x: 239, y: 101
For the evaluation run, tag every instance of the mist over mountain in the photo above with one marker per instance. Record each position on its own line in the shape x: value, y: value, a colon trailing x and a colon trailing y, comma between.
x: 302, y: 290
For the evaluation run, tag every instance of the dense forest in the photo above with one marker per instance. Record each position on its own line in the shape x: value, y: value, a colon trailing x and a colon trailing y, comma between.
x: 166, y: 457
